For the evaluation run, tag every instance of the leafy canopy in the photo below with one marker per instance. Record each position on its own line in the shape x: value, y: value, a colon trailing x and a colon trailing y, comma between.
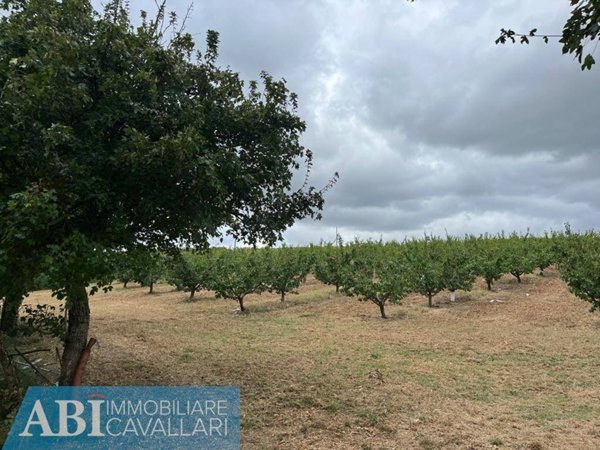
x: 286, y: 269
x: 117, y: 136
x: 377, y: 273
x: 580, y: 265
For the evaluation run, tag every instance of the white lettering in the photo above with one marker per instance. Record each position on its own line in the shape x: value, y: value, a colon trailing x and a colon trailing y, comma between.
x: 42, y: 421
x: 216, y: 425
x: 130, y: 427
x: 96, y: 418
x: 147, y: 411
x: 144, y: 430
x: 64, y: 416
x: 134, y: 408
x: 108, y: 426
x: 165, y: 407
x: 210, y: 408
x: 117, y: 409
x: 222, y: 407
x: 158, y: 427
x: 199, y: 428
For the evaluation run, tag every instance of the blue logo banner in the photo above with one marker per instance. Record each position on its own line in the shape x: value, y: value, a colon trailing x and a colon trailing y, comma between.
x: 128, y: 417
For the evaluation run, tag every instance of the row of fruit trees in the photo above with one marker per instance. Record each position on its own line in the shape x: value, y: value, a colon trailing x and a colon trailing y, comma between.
x: 377, y: 272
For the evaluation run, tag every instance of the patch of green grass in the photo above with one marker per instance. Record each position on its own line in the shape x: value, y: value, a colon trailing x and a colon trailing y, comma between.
x: 424, y: 354
x: 477, y: 389
x: 131, y: 365
x: 291, y: 301
x: 557, y: 407
x: 297, y: 401
x: 428, y: 444
x: 329, y: 350
x: 252, y: 422
x: 428, y: 381
x: 515, y: 393
x: 285, y: 322
x: 315, y: 425
x: 339, y: 405
x: 187, y: 355
x: 368, y: 417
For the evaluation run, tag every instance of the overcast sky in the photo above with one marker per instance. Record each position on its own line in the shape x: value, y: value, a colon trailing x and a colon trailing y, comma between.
x: 431, y: 126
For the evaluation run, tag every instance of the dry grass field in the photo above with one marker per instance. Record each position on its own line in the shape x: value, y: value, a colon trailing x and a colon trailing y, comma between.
x: 515, y: 368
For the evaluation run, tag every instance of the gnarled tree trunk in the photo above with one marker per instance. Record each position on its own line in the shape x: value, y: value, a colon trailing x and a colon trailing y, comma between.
x: 77, y: 332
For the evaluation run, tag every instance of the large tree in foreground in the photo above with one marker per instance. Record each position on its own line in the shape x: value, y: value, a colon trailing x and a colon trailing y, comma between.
x: 128, y: 137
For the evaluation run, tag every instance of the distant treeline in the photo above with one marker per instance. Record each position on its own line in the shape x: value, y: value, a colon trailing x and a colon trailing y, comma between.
x: 378, y: 272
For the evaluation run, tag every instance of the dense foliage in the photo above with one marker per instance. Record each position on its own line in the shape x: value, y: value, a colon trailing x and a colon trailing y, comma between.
x: 580, y: 265
x: 286, y: 269
x: 384, y: 273
x: 330, y: 260
x: 375, y: 274
x: 240, y: 272
x: 191, y: 272
x: 519, y: 255
x: 114, y: 137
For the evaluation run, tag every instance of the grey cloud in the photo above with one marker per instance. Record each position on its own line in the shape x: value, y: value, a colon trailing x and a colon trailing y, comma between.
x: 431, y: 126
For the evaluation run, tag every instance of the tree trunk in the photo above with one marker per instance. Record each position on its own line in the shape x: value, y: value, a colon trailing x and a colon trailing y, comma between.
x: 125, y: 284
x: 12, y: 393
x: 489, y: 284
x: 518, y: 278
x: 241, y: 302
x: 8, y: 368
x: 10, y: 314
x: 77, y: 332
x: 382, y: 310
x: 192, y: 292
x: 430, y: 297
x: 453, y: 295
x: 337, y: 288
x: 151, y: 287
x: 282, y: 296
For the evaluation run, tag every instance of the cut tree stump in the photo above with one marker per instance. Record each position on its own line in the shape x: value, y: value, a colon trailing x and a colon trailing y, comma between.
x: 82, y: 364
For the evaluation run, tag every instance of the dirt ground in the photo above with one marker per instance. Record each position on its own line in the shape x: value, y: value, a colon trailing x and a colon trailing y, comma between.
x: 514, y: 368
